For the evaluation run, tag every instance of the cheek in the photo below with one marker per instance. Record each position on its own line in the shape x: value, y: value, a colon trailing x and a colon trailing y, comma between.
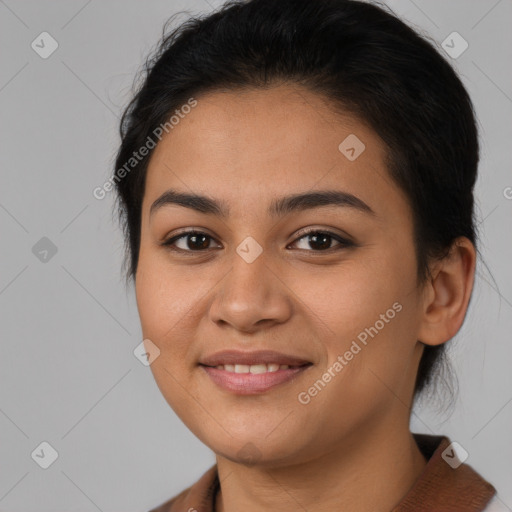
x: 164, y: 300
x: 353, y: 295
x: 172, y: 302
x: 367, y: 312
x: 164, y: 304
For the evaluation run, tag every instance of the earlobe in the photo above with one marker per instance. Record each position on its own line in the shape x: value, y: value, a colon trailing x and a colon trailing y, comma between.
x: 446, y: 295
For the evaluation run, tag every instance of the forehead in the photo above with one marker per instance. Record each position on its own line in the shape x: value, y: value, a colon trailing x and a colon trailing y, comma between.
x: 244, y: 146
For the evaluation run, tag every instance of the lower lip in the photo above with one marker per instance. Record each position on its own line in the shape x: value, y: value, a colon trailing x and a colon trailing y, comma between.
x: 251, y: 383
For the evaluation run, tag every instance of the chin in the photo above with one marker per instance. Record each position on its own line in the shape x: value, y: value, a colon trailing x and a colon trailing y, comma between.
x: 254, y: 451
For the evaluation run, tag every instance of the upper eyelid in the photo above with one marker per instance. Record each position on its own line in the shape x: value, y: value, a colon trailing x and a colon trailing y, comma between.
x: 329, y: 231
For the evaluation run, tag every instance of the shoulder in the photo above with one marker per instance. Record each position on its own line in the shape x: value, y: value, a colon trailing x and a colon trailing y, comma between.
x: 446, y: 483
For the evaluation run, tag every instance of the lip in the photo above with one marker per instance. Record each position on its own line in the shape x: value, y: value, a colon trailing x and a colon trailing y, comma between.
x: 253, y: 357
x: 252, y: 383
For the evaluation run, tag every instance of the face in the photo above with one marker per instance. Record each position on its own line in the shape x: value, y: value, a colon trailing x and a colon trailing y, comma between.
x: 328, y: 278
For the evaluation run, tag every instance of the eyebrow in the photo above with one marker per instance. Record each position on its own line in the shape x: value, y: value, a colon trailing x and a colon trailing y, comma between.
x: 278, y: 207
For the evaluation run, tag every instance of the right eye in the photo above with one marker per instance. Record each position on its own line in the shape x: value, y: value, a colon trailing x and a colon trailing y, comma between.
x: 195, y: 241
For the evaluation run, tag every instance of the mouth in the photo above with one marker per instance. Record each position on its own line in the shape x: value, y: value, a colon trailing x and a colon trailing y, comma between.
x: 253, y: 358
x: 248, y: 373
x: 255, y: 368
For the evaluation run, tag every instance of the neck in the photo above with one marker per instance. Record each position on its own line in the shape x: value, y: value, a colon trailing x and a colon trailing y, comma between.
x: 370, y: 471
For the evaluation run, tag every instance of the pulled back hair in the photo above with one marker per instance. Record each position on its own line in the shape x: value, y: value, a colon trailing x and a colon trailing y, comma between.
x: 364, y: 61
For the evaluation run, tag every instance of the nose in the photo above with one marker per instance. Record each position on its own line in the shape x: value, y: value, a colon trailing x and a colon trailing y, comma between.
x: 251, y: 296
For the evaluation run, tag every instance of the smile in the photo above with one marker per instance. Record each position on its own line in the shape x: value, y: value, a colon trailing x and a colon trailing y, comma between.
x: 245, y: 379
x: 253, y: 368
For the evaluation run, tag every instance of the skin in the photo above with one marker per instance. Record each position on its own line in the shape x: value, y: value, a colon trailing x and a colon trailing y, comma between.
x: 334, y: 453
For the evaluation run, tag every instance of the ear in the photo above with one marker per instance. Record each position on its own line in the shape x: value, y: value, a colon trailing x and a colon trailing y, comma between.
x: 447, y: 293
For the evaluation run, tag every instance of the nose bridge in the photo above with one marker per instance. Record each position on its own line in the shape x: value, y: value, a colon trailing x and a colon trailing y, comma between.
x: 250, y: 266
x: 251, y: 291
x: 251, y: 279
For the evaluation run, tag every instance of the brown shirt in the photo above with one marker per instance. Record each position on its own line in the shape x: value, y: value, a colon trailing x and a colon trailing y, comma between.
x: 440, y: 488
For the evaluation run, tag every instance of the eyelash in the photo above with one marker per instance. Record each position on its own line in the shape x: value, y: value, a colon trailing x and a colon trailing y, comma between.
x: 343, y: 242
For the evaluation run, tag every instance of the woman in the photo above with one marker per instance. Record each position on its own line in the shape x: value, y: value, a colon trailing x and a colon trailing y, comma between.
x: 295, y: 183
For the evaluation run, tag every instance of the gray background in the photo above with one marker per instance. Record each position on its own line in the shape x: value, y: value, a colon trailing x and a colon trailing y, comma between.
x: 68, y: 325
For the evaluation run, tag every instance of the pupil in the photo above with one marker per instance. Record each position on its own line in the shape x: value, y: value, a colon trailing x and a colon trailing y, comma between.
x: 326, y: 244
x: 203, y: 245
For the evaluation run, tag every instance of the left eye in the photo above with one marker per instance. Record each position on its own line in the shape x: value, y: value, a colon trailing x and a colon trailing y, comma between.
x: 194, y: 238
x: 322, y: 239
x: 197, y: 241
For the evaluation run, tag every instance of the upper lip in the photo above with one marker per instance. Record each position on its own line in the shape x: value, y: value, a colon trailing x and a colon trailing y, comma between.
x: 254, y: 357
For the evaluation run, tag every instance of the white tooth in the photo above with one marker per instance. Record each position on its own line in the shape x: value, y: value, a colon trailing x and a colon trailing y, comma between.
x: 258, y: 368
x: 254, y: 368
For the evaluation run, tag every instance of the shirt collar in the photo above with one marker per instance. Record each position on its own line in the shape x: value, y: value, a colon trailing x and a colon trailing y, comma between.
x: 439, y: 487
